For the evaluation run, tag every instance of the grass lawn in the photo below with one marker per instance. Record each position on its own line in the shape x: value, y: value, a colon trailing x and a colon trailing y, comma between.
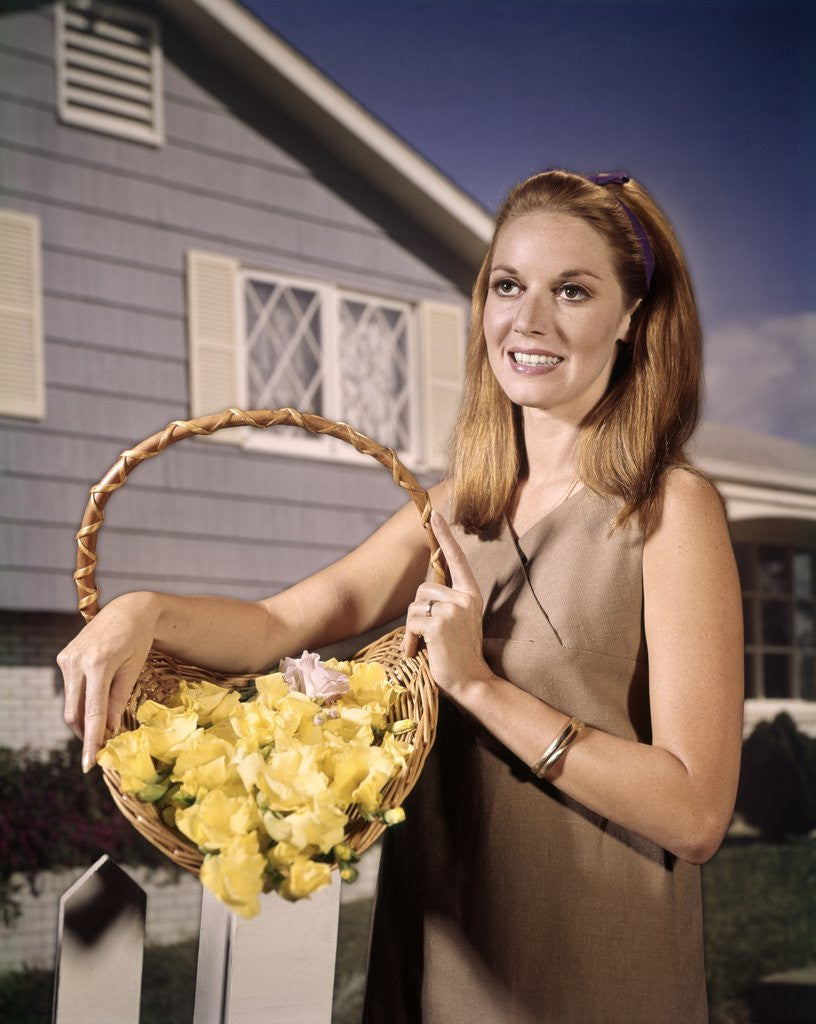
x: 168, y: 989
x: 760, y: 916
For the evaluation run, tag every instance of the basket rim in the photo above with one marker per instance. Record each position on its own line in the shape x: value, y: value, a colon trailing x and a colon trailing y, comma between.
x: 178, y: 430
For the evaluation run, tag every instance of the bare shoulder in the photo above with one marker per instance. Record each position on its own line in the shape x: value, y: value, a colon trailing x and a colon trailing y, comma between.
x: 689, y: 504
x: 690, y: 540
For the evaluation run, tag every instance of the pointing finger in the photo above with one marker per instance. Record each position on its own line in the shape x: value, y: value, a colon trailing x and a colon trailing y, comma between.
x: 461, y: 576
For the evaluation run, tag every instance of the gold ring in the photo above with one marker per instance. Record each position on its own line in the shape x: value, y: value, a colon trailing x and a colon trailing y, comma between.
x: 429, y: 609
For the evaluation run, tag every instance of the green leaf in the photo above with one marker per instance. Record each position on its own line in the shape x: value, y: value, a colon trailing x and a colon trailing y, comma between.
x: 152, y: 792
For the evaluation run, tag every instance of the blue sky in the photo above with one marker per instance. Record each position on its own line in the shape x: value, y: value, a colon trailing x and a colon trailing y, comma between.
x: 711, y: 105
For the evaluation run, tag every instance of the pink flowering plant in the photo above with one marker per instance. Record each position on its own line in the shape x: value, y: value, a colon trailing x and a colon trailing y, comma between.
x: 263, y: 780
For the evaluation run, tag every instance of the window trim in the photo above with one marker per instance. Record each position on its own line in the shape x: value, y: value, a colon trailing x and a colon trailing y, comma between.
x: 332, y: 294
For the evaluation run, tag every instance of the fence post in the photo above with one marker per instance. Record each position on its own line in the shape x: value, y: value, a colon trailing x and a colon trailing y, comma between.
x: 277, y: 967
x: 100, y: 946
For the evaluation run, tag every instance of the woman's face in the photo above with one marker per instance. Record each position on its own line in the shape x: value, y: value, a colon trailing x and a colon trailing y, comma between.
x: 554, y: 313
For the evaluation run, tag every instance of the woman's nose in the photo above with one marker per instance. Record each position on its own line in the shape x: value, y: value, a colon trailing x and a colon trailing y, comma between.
x: 532, y: 315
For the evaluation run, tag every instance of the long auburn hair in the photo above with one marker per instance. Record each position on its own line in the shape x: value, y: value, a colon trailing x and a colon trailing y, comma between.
x: 650, y: 409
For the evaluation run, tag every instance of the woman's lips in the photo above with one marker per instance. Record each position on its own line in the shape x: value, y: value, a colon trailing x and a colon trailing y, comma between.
x: 534, y: 362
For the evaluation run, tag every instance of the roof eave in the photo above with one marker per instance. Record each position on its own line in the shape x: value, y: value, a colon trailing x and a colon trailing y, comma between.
x: 362, y: 142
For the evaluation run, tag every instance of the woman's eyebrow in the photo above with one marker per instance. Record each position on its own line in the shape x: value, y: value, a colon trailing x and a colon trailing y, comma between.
x: 578, y: 272
x: 502, y: 268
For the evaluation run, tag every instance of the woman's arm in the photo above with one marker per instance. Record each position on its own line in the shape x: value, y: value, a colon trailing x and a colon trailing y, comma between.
x: 368, y: 587
x: 679, y: 790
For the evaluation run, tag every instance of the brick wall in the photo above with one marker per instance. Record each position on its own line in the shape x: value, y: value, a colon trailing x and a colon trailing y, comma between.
x: 31, y: 708
x: 35, y: 638
x: 31, y: 699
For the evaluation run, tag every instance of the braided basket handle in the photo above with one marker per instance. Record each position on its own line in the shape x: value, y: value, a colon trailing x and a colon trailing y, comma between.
x: 178, y: 430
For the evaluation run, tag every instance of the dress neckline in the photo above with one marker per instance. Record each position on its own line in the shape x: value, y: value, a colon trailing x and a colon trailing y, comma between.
x: 519, y: 539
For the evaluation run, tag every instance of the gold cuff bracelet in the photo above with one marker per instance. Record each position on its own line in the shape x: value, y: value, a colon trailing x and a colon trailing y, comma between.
x: 559, y: 746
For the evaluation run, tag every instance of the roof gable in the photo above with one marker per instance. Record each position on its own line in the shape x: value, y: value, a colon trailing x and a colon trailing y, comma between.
x: 235, y: 37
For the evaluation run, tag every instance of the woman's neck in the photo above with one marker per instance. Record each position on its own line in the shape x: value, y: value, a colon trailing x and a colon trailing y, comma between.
x: 550, y: 447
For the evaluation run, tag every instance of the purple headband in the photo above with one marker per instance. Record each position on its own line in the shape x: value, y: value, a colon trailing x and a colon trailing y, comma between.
x: 646, y: 250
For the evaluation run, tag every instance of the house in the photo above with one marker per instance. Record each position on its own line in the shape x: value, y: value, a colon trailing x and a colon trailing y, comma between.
x: 769, y: 486
x: 193, y: 217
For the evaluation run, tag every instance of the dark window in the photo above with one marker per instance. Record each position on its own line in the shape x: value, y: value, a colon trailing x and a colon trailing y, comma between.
x: 779, y: 605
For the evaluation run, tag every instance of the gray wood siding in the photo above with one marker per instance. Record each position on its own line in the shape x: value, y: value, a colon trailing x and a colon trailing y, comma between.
x: 235, y: 176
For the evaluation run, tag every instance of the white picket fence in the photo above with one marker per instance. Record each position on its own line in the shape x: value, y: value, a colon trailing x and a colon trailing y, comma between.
x: 277, y: 968
x: 173, y: 907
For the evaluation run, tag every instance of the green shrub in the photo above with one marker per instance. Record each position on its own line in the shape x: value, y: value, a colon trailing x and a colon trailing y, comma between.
x: 54, y: 816
x: 759, y: 908
x: 777, y: 789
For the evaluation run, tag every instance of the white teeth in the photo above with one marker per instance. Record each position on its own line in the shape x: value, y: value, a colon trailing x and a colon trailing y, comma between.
x: 529, y: 359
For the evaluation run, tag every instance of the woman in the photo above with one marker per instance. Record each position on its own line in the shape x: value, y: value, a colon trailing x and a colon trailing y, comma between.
x: 589, y: 644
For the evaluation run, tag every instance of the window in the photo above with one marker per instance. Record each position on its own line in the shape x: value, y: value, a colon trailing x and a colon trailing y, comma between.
x: 22, y: 386
x: 109, y: 70
x: 779, y: 603
x: 390, y: 368
x: 346, y: 356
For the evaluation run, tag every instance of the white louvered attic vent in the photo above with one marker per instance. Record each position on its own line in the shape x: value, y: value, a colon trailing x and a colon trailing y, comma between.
x: 109, y: 70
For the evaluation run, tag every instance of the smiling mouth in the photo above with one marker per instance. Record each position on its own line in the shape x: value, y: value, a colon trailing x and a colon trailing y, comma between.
x: 532, y: 359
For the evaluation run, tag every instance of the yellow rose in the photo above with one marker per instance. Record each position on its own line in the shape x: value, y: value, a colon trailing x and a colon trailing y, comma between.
x: 320, y: 827
x: 128, y: 754
x: 235, y: 875
x: 353, y: 725
x: 303, y: 878
x: 271, y: 688
x: 211, y: 703
x: 214, y: 821
x: 296, y: 714
x: 254, y: 722
x: 369, y: 793
x: 359, y: 773
x: 249, y: 768
x: 166, y: 729
x: 397, y: 750
x: 289, y: 779
x: 204, y: 763
x: 281, y: 855
x: 370, y: 684
x: 224, y: 730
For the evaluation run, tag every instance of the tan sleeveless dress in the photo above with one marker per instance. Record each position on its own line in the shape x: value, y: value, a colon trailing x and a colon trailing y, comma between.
x: 501, y: 900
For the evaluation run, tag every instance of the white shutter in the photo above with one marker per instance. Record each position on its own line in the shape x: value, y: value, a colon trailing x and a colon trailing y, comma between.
x: 442, y: 333
x: 22, y: 377
x: 213, y: 332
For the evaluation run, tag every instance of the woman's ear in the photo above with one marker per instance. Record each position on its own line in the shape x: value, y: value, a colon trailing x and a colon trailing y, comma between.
x: 626, y: 324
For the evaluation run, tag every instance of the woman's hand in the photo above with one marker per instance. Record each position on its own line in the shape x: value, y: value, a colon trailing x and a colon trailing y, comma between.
x: 364, y: 589
x: 100, y: 667
x: 449, y: 619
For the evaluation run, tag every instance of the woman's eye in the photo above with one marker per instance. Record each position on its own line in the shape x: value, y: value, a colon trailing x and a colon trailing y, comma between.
x: 573, y: 292
x: 505, y: 286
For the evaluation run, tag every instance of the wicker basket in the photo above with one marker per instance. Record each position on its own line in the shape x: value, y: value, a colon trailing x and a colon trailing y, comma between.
x: 160, y: 675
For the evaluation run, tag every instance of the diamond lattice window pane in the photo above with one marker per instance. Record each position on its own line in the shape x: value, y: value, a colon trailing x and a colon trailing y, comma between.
x: 284, y: 346
x: 374, y: 374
